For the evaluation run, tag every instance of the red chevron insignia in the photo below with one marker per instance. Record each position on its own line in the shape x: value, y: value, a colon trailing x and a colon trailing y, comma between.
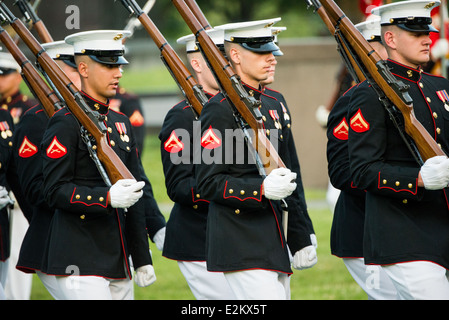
x: 56, y: 150
x: 27, y: 149
x: 210, y: 140
x: 358, y: 123
x: 341, y: 130
x: 173, y: 144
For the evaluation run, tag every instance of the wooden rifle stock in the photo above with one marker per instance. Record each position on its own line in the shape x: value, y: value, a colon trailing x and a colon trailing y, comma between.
x: 87, y: 118
x: 191, y: 90
x: 48, y: 98
x: 378, y: 75
x: 231, y: 87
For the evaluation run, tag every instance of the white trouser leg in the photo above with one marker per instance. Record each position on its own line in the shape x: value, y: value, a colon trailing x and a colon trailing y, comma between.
x: 419, y: 280
x: 49, y: 282
x: 372, y: 279
x: 259, y: 285
x: 18, y: 283
x: 4, y: 265
x: 92, y: 288
x: 205, y: 285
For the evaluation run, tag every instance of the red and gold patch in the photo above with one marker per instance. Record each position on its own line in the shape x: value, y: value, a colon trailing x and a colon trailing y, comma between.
x: 341, y: 130
x: 358, y: 123
x: 210, y: 140
x: 27, y: 149
x: 173, y: 144
x: 56, y: 150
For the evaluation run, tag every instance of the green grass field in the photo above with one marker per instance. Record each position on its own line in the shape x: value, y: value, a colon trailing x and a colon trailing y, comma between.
x: 327, y: 280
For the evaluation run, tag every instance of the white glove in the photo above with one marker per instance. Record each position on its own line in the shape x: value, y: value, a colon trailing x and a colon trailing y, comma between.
x: 279, y: 184
x: 305, y: 258
x: 440, y: 49
x: 435, y: 173
x: 145, y: 276
x: 321, y: 115
x: 159, y: 238
x: 4, y: 197
x: 314, y: 240
x: 126, y: 192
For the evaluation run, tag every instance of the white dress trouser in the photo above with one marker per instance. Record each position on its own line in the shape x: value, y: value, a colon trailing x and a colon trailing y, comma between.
x: 372, y: 279
x: 4, y: 265
x: 205, y: 285
x: 259, y: 284
x: 94, y: 288
x: 419, y: 280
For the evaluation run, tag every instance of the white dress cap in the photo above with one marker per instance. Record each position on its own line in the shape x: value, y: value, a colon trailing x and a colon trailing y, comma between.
x: 60, y: 50
x: 370, y: 28
x: 103, y: 46
x: 8, y: 64
x: 411, y: 15
x: 217, y: 36
x: 256, y: 36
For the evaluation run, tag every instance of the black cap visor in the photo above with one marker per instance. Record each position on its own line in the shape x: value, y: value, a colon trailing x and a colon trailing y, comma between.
x: 415, y: 24
x: 260, y: 45
x: 113, y: 57
x: 417, y: 27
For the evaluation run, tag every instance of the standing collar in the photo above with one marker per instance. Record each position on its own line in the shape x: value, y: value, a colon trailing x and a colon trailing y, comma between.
x: 404, y: 71
x: 95, y: 104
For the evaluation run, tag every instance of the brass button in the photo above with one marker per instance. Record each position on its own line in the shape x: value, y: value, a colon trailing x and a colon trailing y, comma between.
x: 264, y: 118
x: 429, y: 100
x: 435, y: 115
x: 237, y: 211
x: 82, y: 217
x: 101, y: 199
x: 268, y: 132
x: 384, y: 181
x: 242, y: 192
x: 255, y: 193
x: 195, y: 206
x: 421, y: 85
x: 77, y: 196
x: 197, y: 195
x: 112, y: 143
x: 404, y: 201
x: 410, y: 185
x: 288, y: 125
x: 127, y: 148
x: 397, y: 183
x: 438, y: 131
x: 89, y: 198
x: 110, y: 130
x: 231, y: 191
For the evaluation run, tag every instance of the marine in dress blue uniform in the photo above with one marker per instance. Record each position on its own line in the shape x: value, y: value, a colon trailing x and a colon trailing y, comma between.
x: 186, y: 227
x: 244, y: 236
x: 349, y: 215
x: 406, y: 221
x: 90, y: 229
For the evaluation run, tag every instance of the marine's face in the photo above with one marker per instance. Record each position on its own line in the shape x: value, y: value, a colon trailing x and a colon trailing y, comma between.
x: 253, y: 67
x: 99, y: 80
x: 411, y: 48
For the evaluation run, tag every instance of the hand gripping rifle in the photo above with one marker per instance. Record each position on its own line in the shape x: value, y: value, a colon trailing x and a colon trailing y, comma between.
x: 392, y: 92
x: 192, y: 91
x: 90, y: 120
x: 245, y: 107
